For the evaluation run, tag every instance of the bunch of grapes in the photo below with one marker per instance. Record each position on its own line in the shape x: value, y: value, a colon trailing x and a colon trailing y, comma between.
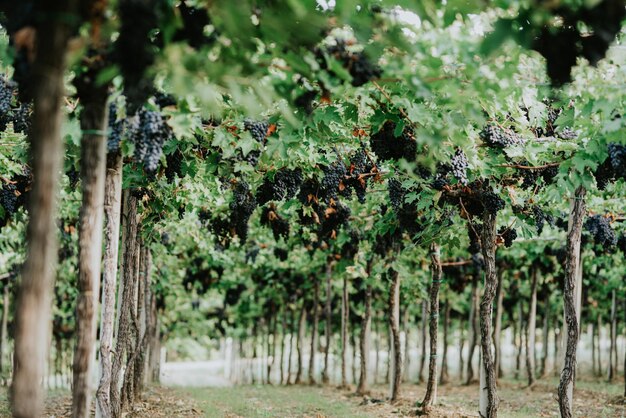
x: 174, y: 165
x: 334, y: 175
x: 116, y: 128
x: 396, y: 193
x: 361, y: 169
x: 7, y: 90
x: 305, y: 101
x: 334, y: 217
x: 358, y: 64
x: 279, y: 226
x: 508, y: 235
x: 473, y: 232
x: 309, y: 190
x: 600, y: 230
x: 351, y: 247
x: 387, y: 146
x: 73, y: 176
x: 478, y: 261
x: 497, y: 137
x: 614, y: 167
x: 541, y: 218
x: 284, y: 185
x: 21, y: 118
x: 258, y: 130
x: 165, y: 239
x: 241, y: 208
x: 149, y: 138
x: 459, y: 166
x: 8, y: 199
x: 492, y: 203
x: 252, y: 254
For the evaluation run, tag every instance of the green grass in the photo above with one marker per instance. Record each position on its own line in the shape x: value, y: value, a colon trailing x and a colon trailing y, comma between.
x: 269, y: 401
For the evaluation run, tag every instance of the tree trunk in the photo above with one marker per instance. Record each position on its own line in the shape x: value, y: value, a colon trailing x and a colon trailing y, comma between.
x: 530, y: 329
x: 127, y: 279
x: 344, y: 330
x: 473, y: 331
x: 444, y: 376
x: 545, y: 331
x: 497, y: 332
x: 314, y: 331
x: 424, y: 322
x: 461, y: 345
x: 613, y: 347
x: 155, y: 343
x: 300, y: 342
x: 93, y: 119
x: 377, y: 348
x: 599, y: 346
x: 572, y: 264
x: 518, y: 337
x: 364, y: 341
x: 112, y: 209
x: 394, y: 327
x: 292, y: 327
x: 282, y: 347
x: 4, y: 325
x: 33, y: 313
x: 488, y: 409
x: 272, y: 348
x: 431, y: 387
x: 142, y: 340
x: 328, y: 313
x: 128, y: 388
x: 354, y: 350
x: 407, y: 331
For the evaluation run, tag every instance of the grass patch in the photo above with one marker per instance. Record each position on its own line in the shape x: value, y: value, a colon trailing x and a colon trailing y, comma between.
x: 273, y: 401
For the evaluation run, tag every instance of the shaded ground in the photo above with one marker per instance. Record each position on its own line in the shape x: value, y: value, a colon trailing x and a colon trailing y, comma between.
x: 593, y: 399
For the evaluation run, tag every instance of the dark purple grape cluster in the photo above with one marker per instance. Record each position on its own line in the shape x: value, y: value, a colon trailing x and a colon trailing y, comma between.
x: 305, y: 101
x: 396, y: 193
x: 333, y: 218
x: 309, y: 190
x: 241, y: 208
x: 492, y: 203
x: 279, y: 226
x: 387, y: 146
x: 497, y: 137
x: 508, y: 235
x: 459, y: 165
x: 7, y: 90
x: 439, y: 182
x: 473, y: 233
x: 8, y: 199
x: 116, y: 128
x: 73, y: 176
x: 614, y: 167
x: 600, y: 230
x: 174, y: 165
x: 478, y: 262
x: 360, y: 171
x: 351, y: 247
x: 149, y: 138
x: 334, y: 175
x: 541, y: 218
x: 252, y: 254
x: 165, y: 239
x: 284, y: 185
x: 21, y: 118
x: 358, y: 64
x: 257, y: 129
